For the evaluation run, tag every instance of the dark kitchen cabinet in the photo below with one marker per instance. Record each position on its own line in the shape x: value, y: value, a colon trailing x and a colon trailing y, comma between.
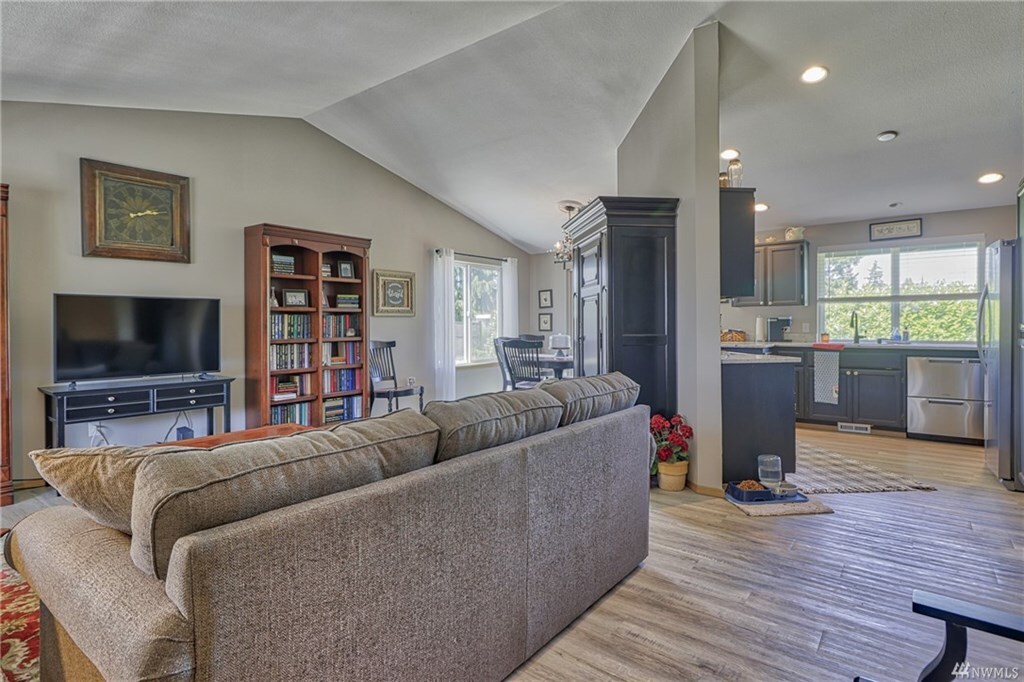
x: 780, y: 276
x: 879, y: 397
x: 624, y: 278
x: 826, y: 411
x: 799, y: 399
x: 735, y: 235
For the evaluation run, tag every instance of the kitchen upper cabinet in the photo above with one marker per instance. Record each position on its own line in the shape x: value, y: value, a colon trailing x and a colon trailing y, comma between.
x: 624, y: 280
x: 780, y: 275
x: 736, y: 233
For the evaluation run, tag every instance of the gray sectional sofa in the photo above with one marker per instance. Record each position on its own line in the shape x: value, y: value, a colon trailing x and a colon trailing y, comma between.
x: 445, y: 546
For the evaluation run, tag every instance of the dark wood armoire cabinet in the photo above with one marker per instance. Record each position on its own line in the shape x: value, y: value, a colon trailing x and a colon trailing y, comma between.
x: 624, y: 278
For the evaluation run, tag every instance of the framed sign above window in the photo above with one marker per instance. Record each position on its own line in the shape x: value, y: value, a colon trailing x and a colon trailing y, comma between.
x: 900, y: 229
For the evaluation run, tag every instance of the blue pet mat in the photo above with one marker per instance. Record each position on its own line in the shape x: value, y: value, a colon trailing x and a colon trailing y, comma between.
x: 797, y: 497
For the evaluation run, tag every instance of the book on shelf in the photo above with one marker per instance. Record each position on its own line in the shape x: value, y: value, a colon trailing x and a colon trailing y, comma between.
x: 347, y: 301
x: 343, y: 409
x: 341, y: 353
x: 284, y: 396
x: 281, y: 264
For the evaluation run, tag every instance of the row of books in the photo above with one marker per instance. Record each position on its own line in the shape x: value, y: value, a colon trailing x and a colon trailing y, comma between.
x: 347, y: 301
x: 282, y: 264
x: 342, y: 353
x: 336, y: 325
x: 291, y: 326
x: 289, y: 386
x: 338, y: 380
x: 343, y: 409
x: 296, y: 413
x: 290, y: 356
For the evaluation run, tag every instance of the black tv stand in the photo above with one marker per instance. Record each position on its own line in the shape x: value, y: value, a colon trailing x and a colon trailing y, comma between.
x: 103, y: 401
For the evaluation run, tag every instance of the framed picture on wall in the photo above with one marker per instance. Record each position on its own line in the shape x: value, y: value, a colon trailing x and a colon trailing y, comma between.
x: 394, y: 293
x: 544, y: 322
x: 544, y: 299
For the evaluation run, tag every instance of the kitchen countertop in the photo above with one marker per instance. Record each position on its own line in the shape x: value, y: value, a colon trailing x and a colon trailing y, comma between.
x: 870, y: 345
x: 755, y: 359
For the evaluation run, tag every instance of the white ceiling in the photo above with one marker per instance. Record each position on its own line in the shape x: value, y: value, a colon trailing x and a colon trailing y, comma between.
x: 502, y: 109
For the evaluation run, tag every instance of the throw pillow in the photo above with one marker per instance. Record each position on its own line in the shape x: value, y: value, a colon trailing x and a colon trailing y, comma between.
x: 98, y: 480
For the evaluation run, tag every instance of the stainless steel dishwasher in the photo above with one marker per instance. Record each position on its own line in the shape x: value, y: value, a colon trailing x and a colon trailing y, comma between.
x: 945, y: 398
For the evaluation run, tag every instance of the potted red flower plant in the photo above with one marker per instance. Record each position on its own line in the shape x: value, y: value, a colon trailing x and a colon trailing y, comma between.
x: 672, y: 443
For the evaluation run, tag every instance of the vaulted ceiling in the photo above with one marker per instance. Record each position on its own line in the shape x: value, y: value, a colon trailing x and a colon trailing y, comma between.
x: 502, y: 109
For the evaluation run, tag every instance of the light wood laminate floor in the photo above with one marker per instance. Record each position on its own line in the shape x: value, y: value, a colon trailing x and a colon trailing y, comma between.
x: 724, y: 596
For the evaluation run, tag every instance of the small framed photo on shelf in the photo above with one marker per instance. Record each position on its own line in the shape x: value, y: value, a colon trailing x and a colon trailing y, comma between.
x: 325, y: 269
x: 544, y: 322
x: 544, y: 299
x: 346, y: 268
x: 295, y: 298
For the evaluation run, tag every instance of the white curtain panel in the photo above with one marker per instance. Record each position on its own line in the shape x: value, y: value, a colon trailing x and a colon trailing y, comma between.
x: 444, y: 324
x: 510, y: 297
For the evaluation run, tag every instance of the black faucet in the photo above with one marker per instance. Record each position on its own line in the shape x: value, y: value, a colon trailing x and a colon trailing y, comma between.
x: 855, y: 323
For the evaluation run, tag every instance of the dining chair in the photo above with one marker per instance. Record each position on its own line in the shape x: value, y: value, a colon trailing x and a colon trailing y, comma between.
x: 523, y: 358
x: 382, y: 370
x: 544, y: 372
x: 499, y: 351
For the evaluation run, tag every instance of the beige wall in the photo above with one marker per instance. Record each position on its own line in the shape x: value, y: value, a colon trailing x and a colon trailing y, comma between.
x: 994, y: 223
x: 546, y: 274
x: 244, y: 170
x: 672, y: 151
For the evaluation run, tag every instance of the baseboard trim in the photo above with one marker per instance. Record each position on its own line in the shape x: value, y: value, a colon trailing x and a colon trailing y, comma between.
x: 710, y: 491
x: 29, y: 483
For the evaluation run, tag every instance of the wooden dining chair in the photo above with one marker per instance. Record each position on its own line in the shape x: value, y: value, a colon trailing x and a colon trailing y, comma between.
x: 499, y: 352
x: 382, y: 371
x: 523, y: 358
x: 545, y: 373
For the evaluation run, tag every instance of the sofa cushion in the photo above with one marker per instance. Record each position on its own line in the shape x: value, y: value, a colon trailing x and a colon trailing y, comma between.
x: 485, y: 421
x: 99, y: 480
x: 179, y: 494
x: 589, y: 397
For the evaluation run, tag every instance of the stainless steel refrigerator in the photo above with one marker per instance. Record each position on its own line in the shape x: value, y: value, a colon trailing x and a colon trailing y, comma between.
x: 998, y: 344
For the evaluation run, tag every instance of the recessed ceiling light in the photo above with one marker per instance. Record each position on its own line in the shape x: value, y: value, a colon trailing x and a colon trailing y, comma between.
x: 887, y: 136
x: 814, y: 74
x: 761, y: 208
x: 730, y: 154
x: 989, y: 178
x: 896, y: 204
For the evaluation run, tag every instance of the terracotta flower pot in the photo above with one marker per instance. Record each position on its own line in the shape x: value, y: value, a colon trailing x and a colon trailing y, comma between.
x: 672, y: 475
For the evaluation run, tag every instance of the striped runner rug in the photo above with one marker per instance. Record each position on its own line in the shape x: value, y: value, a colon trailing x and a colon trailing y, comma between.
x: 821, y: 471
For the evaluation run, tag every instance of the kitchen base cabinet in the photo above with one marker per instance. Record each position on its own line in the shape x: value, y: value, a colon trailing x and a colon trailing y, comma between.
x: 828, y: 412
x: 757, y: 417
x: 879, y: 398
x: 799, y: 399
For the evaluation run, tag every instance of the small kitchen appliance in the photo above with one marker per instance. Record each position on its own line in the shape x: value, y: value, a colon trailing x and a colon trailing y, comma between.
x: 778, y: 326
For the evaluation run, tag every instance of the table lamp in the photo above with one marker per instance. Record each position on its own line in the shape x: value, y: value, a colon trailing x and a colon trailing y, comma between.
x: 560, y: 343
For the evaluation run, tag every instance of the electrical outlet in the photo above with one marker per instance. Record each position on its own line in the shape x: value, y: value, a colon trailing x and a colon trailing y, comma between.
x: 411, y: 381
x: 805, y: 327
x: 184, y: 433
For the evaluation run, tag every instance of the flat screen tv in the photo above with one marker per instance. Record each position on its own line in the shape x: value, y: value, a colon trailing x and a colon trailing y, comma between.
x: 105, y: 337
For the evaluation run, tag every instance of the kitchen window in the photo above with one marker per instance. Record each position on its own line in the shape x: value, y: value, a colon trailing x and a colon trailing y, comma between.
x: 929, y: 289
x: 477, y: 311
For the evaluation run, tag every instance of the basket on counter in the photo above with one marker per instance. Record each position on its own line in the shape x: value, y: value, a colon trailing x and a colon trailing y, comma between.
x: 734, y: 335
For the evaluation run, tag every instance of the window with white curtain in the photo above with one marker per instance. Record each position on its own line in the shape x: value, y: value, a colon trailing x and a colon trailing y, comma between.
x: 478, y: 311
x: 929, y: 289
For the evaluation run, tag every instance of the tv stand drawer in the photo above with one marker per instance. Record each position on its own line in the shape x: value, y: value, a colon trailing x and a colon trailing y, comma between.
x: 190, y: 403
x: 189, y: 391
x: 88, y: 414
x: 113, y: 398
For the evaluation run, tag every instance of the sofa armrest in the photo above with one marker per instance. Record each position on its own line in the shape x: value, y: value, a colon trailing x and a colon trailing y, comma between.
x: 362, y: 584
x: 119, y: 617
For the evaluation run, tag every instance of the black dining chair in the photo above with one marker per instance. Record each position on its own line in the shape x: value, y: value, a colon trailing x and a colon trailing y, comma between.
x: 523, y: 359
x: 532, y: 337
x: 499, y: 352
x: 382, y: 370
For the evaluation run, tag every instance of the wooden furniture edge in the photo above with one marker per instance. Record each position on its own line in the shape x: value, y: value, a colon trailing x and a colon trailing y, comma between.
x: 710, y: 491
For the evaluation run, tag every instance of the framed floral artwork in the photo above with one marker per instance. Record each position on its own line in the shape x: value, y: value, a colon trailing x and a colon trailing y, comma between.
x: 394, y: 293
x: 134, y: 213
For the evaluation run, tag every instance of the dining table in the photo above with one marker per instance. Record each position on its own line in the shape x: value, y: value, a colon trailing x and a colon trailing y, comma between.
x: 555, y: 363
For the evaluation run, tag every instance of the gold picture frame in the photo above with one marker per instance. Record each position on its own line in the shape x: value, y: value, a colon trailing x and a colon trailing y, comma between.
x: 394, y: 293
x: 134, y: 213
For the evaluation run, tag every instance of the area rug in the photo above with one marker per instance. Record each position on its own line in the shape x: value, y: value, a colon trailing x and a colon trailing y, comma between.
x: 784, y: 508
x: 19, y: 627
x: 821, y: 471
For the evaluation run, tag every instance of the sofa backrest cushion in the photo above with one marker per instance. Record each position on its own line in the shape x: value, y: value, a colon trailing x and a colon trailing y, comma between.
x: 99, y: 481
x: 179, y: 494
x: 589, y: 397
x: 492, y: 419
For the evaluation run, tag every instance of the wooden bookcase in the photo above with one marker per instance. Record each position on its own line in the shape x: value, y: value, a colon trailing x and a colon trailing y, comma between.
x: 318, y: 351
x: 6, y: 480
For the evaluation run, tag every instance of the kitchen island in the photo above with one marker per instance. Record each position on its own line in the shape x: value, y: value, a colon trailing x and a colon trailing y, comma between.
x: 758, y: 413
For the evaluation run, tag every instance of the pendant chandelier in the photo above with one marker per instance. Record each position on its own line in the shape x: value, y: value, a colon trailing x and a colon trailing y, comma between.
x: 563, y: 247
